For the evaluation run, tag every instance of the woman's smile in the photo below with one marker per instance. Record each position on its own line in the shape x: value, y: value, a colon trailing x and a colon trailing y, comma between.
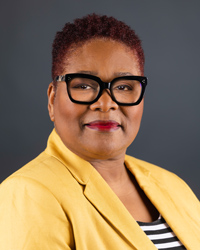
x: 103, y: 125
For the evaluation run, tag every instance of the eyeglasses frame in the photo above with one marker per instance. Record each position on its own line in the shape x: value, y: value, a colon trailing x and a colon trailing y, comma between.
x: 103, y: 85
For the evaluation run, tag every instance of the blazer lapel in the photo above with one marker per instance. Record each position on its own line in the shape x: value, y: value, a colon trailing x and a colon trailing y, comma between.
x: 108, y: 204
x: 176, y: 215
x: 179, y: 207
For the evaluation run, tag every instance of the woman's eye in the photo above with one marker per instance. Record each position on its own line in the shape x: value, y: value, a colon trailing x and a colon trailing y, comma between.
x: 82, y: 86
x: 123, y: 87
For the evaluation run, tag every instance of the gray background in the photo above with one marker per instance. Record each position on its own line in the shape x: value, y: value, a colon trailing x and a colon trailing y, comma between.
x: 170, y: 31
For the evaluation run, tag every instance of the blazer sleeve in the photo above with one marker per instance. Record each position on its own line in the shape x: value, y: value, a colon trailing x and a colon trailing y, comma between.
x: 31, y: 217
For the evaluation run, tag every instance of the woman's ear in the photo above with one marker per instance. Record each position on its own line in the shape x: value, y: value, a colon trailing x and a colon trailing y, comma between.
x: 51, y: 96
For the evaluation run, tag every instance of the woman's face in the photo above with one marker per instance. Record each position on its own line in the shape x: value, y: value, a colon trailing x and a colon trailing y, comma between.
x: 80, y: 126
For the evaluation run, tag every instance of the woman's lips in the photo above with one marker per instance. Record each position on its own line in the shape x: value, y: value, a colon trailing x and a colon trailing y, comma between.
x: 103, y: 125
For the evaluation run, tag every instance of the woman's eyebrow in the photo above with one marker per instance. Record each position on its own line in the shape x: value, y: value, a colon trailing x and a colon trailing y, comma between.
x: 123, y: 74
x: 88, y: 72
x: 94, y: 73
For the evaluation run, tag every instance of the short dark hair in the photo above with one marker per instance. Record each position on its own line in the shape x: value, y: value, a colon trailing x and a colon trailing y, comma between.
x: 87, y: 28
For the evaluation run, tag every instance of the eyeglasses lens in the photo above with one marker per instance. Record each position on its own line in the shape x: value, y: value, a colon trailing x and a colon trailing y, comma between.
x: 127, y: 91
x: 83, y: 89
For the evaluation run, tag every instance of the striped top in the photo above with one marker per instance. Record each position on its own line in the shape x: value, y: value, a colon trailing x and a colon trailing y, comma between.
x: 161, y: 235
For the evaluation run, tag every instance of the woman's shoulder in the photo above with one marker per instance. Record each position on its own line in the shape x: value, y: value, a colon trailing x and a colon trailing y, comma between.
x: 158, y: 174
x: 38, y: 167
x: 43, y: 172
x: 146, y: 166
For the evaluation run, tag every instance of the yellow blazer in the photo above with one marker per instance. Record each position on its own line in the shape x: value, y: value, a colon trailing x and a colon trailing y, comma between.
x: 59, y: 201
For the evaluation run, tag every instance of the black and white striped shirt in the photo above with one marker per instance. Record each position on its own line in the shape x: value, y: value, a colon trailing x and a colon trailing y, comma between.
x: 161, y: 235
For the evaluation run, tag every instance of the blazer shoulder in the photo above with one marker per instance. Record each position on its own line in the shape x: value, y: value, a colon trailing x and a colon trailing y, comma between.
x: 44, y: 171
x: 154, y: 169
x: 158, y: 174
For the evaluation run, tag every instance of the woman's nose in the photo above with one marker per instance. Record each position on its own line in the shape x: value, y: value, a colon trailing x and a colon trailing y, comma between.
x: 104, y: 103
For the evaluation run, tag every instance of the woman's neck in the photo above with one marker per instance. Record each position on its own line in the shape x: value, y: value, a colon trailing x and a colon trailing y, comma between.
x: 113, y: 172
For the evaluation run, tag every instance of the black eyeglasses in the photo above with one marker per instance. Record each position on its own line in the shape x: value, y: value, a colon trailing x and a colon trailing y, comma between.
x: 87, y: 89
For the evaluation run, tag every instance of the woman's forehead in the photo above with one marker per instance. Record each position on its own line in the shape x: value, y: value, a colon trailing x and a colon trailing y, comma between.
x: 102, y: 55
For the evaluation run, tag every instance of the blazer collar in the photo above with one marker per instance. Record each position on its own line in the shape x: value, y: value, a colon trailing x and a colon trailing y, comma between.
x: 79, y: 168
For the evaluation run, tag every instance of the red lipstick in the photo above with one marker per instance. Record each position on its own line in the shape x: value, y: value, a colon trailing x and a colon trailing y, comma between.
x: 103, y: 125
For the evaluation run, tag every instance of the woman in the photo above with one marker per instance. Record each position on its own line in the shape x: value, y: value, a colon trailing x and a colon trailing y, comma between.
x: 83, y: 192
